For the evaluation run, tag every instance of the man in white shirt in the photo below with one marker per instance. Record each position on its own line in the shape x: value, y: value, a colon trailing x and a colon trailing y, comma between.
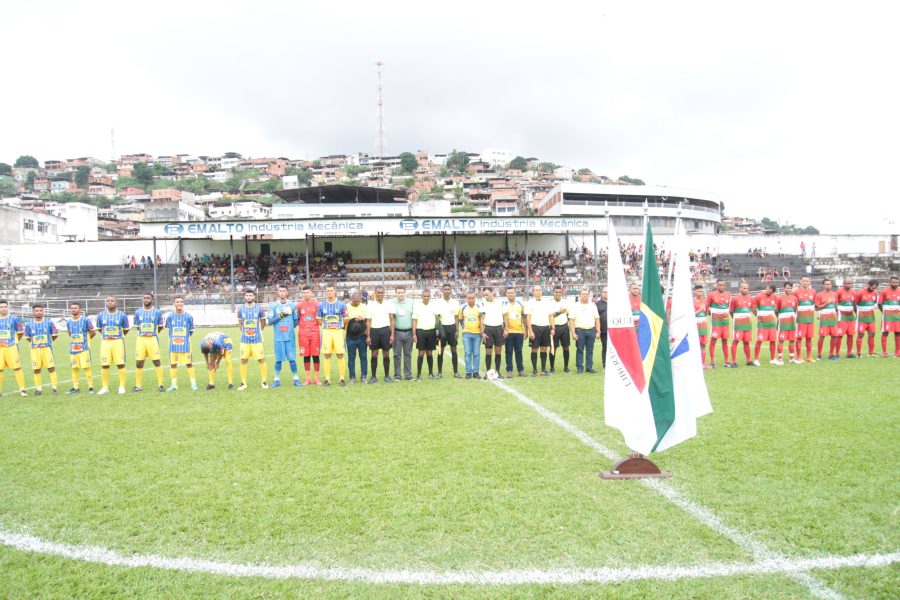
x: 539, y: 318
x: 379, y: 323
x: 424, y: 324
x: 446, y: 308
x: 561, y: 337
x: 584, y: 325
x: 492, y: 309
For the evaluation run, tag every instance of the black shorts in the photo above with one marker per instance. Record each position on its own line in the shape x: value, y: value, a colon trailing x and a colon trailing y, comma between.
x: 494, y: 335
x: 426, y: 339
x: 448, y: 335
x: 541, y: 336
x: 561, y: 336
x: 380, y: 339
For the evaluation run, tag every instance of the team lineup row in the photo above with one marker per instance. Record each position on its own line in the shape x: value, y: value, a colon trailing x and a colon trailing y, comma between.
x: 353, y: 330
x: 790, y: 317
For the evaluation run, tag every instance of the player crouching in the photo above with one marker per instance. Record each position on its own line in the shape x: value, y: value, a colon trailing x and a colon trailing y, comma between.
x: 217, y: 347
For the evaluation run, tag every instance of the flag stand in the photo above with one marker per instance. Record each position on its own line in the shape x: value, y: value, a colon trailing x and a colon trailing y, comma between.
x: 636, y: 466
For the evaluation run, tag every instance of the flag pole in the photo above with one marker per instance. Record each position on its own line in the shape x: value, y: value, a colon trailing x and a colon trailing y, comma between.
x: 671, y: 270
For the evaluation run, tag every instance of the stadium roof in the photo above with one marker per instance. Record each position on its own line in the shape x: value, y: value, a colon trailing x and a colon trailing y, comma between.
x: 342, y: 194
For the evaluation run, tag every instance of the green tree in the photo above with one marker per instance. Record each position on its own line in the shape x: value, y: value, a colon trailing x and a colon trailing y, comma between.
x: 409, y: 182
x: 29, y: 181
x: 235, y: 183
x: 27, y: 161
x: 519, y: 163
x: 82, y: 177
x: 584, y: 171
x: 195, y: 185
x: 5, y: 169
x: 631, y: 180
x: 408, y: 162
x: 809, y: 230
x: 546, y: 167
x: 111, y: 167
x: 8, y: 186
x: 271, y: 184
x: 352, y: 170
x: 143, y: 175
x: 458, y: 161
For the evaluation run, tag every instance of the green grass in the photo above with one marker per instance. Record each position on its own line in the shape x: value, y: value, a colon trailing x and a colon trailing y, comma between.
x: 445, y: 475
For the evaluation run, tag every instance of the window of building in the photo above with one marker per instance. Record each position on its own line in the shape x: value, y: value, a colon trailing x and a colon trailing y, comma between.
x: 29, y: 225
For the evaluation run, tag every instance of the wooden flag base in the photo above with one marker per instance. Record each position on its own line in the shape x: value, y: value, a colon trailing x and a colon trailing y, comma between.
x: 636, y: 466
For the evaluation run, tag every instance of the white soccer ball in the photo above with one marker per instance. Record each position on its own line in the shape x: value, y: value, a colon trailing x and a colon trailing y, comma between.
x: 492, y: 375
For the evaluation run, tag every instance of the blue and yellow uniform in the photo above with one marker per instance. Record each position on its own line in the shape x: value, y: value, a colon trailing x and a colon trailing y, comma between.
x: 181, y: 327
x: 283, y: 318
x: 113, y: 326
x: 148, y: 323
x: 220, y: 343
x: 333, y: 316
x: 41, y: 334
x: 79, y: 342
x: 251, y: 320
x: 11, y: 329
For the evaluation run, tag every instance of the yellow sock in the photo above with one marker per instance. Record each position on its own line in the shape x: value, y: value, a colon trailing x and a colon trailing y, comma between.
x: 139, y: 376
x: 193, y: 375
x: 342, y: 367
x: 54, y: 379
x: 212, y: 376
x: 229, y: 372
x: 264, y: 371
x: 75, y: 374
x: 37, y: 381
x: 20, y: 378
x: 326, y: 367
x: 89, y: 377
x: 104, y: 377
x: 159, y: 375
x: 173, y: 375
x: 243, y: 369
x: 120, y: 375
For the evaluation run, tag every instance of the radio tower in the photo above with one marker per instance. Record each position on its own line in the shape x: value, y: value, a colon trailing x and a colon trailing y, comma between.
x: 379, y: 116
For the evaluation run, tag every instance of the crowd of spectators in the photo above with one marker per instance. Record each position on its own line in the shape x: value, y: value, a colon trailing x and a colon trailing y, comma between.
x: 501, y: 267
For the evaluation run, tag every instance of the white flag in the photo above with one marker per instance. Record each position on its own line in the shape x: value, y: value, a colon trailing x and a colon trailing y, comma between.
x: 691, y: 395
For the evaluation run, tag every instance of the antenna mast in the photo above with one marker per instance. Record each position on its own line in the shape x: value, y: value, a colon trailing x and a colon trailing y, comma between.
x: 112, y: 139
x: 379, y: 117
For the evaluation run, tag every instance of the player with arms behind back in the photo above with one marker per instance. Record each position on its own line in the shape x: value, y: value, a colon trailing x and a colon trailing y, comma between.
x: 252, y: 320
x: 113, y: 326
x: 826, y: 305
x: 41, y: 333
x: 81, y: 331
x: 889, y: 302
x: 787, y: 325
x: 866, y: 301
x: 806, y: 316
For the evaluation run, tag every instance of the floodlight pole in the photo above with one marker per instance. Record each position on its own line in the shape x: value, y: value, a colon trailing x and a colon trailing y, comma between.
x: 381, y: 255
x: 231, y: 244
x: 154, y: 267
x: 307, y: 260
x: 527, y: 266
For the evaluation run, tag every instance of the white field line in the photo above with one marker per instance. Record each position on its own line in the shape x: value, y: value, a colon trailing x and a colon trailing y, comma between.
x: 757, y: 549
x: 92, y: 554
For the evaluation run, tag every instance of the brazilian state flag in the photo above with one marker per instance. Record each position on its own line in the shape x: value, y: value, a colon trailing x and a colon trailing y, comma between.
x: 653, y: 341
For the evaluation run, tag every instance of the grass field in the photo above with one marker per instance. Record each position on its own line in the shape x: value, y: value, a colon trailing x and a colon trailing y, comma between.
x: 450, y: 477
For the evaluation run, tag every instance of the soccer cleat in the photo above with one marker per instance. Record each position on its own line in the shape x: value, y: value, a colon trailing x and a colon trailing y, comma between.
x: 53, y: 391
x: 727, y: 365
x: 326, y: 383
x: 276, y: 384
x: 102, y: 391
x: 160, y: 389
x: 194, y: 387
x: 172, y: 388
x: 734, y: 365
x: 210, y: 386
x: 851, y: 356
x: 90, y: 390
x: 753, y: 363
x: 38, y: 392
x: 23, y: 393
x: 457, y: 375
x: 342, y: 383
x: 858, y: 355
x: 884, y: 355
x: 72, y: 391
x: 121, y: 389
x: 534, y: 373
x: 873, y: 355
x: 566, y: 370
x: 509, y: 373
x: 521, y: 373
x: 431, y: 376
x: 308, y: 381
x: 545, y: 374
x: 318, y: 381
x: 265, y: 385
x: 499, y: 376
x: 810, y: 359
x: 794, y: 361
x: 242, y: 387
x: 418, y: 378
x: 819, y: 358
x: 373, y: 379
x: 707, y: 366
x: 388, y: 379
x: 137, y: 388
x: 230, y: 386
x: 297, y: 383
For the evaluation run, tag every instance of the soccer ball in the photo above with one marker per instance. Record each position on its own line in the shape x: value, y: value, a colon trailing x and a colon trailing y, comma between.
x: 492, y: 375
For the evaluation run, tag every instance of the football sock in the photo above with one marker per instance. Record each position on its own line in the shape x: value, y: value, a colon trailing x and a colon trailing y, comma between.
x: 342, y: 367
x: 159, y: 374
x: 565, y: 358
x: 387, y: 366
x: 76, y: 372
x: 455, y: 358
x: 173, y: 375
x: 104, y: 377
x: 120, y: 375
x: 326, y: 363
x: 263, y: 371
x: 138, y: 376
x: 89, y: 377
x: 293, y: 365
x: 38, y: 381
x: 374, y: 364
x: 20, y: 378
x: 534, y: 361
x: 419, y: 365
x: 212, y: 376
x: 243, y: 369
x: 54, y: 379
x: 193, y: 375
x: 497, y: 362
x: 430, y: 359
x: 229, y: 371
x: 543, y: 361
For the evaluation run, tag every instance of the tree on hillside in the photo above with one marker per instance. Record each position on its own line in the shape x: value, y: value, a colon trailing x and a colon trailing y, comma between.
x: 408, y: 162
x: 519, y: 163
x: 27, y: 161
x: 29, y: 180
x: 584, y: 171
x: 82, y: 177
x: 631, y: 180
x: 143, y: 174
x: 8, y: 186
x: 5, y: 169
x: 546, y: 167
x: 458, y: 161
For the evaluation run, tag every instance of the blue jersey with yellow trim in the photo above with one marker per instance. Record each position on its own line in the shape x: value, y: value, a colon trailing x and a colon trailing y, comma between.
x: 9, y: 327
x: 333, y: 314
x: 251, y: 318
x: 148, y: 321
x: 180, y: 327
x: 112, y: 326
x: 40, y: 333
x: 79, y: 331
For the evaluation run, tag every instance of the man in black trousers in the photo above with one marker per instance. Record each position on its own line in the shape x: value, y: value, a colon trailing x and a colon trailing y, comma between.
x: 601, y: 308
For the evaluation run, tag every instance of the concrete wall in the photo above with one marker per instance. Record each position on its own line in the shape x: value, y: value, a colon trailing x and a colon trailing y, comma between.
x: 84, y: 253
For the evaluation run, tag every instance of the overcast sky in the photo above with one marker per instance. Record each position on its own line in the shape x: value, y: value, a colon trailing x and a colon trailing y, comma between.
x: 786, y: 110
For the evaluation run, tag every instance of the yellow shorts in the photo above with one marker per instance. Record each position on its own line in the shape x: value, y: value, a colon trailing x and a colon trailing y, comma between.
x: 82, y: 360
x: 147, y: 346
x: 180, y: 358
x: 254, y: 351
x: 333, y: 341
x: 42, y: 358
x: 9, y: 358
x: 112, y: 352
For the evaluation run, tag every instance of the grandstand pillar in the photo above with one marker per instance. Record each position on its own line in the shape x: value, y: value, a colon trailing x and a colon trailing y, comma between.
x: 154, y: 267
x: 381, y: 255
x: 596, y: 259
x: 231, y: 261
x: 527, y: 268
x: 306, y: 246
x: 455, y: 273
